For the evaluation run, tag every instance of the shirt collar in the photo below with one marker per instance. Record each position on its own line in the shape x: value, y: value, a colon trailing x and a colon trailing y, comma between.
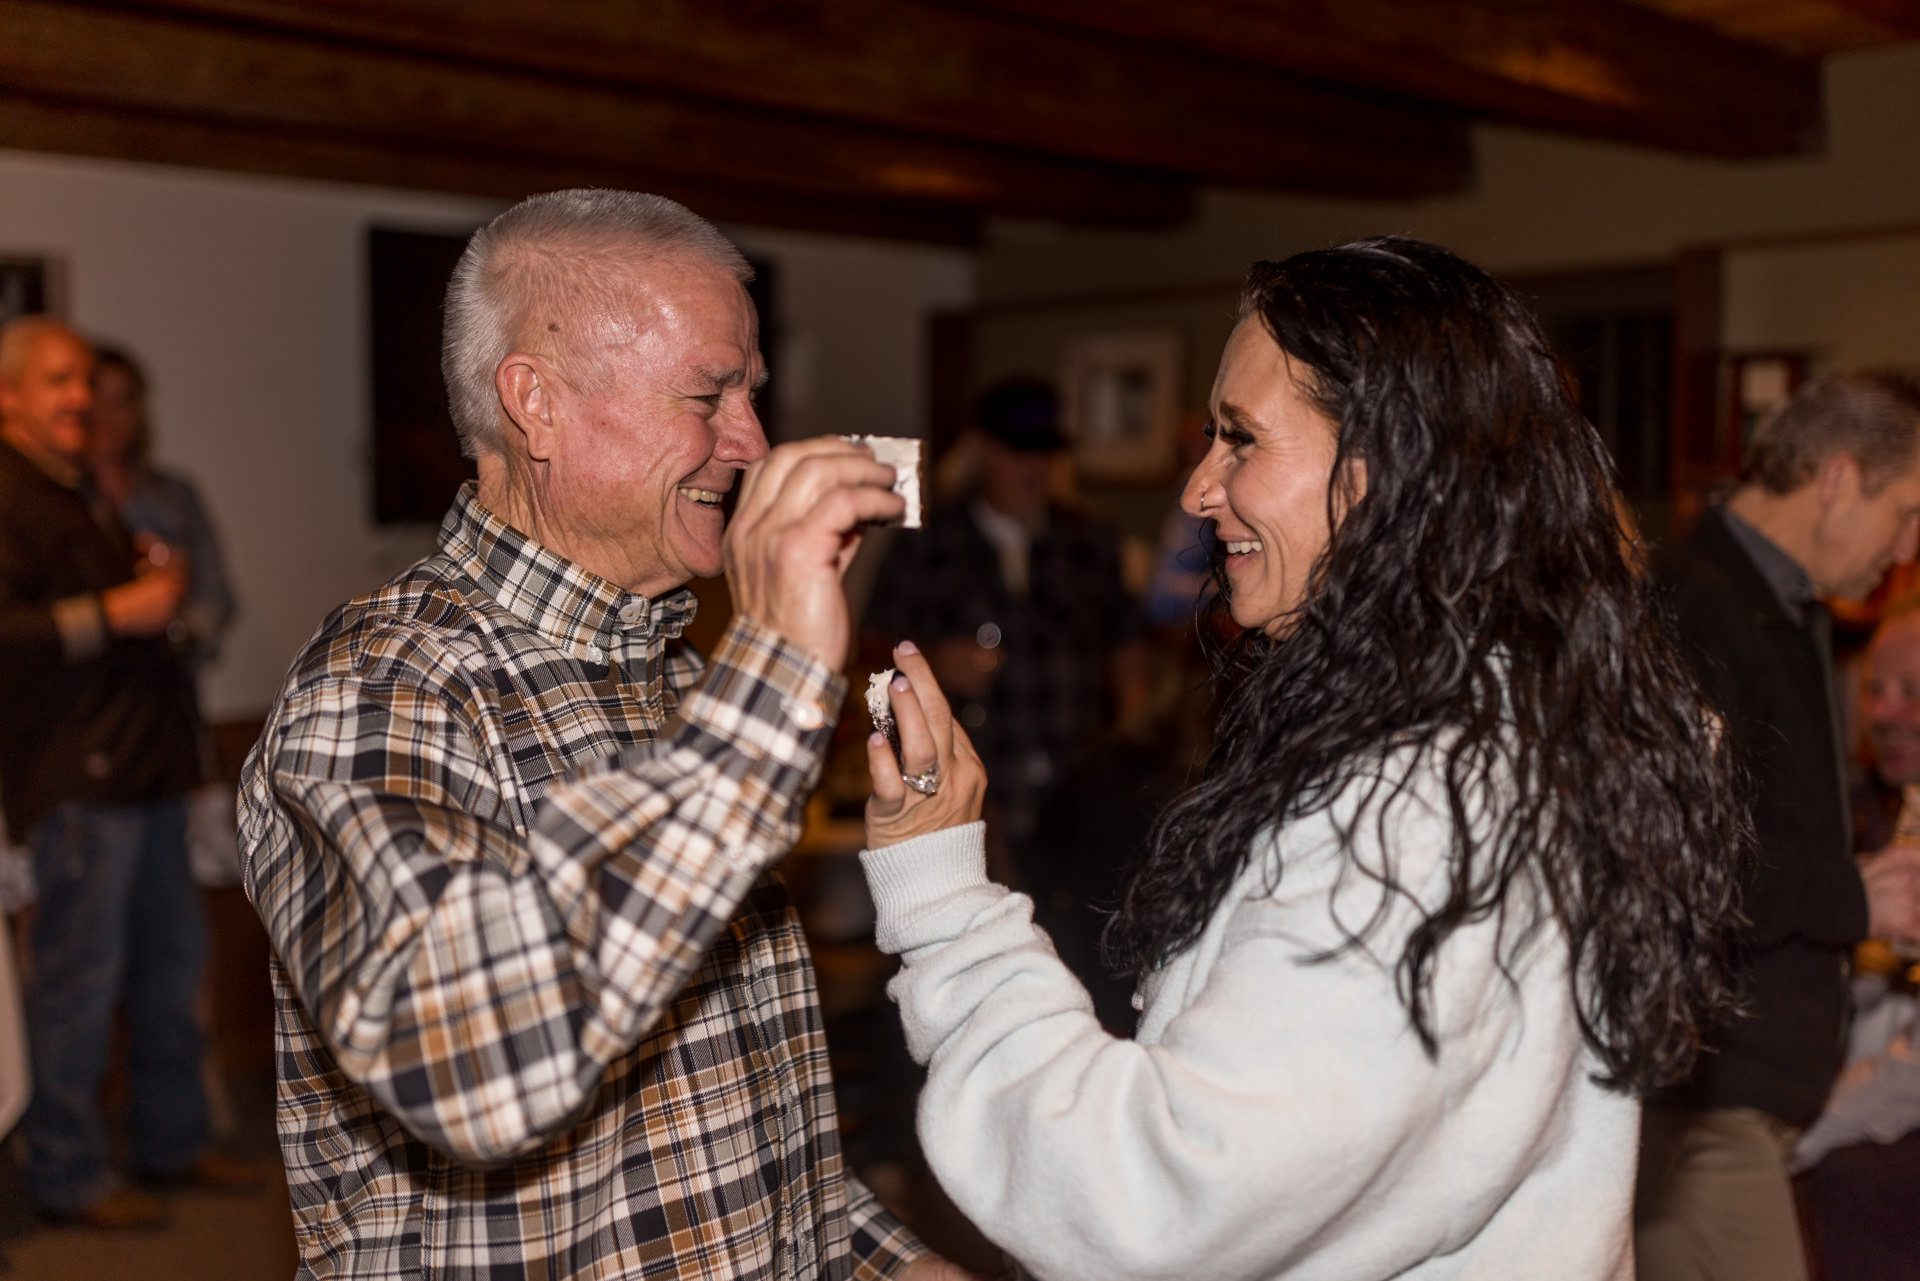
x: 1782, y: 572
x: 65, y: 474
x: 550, y: 593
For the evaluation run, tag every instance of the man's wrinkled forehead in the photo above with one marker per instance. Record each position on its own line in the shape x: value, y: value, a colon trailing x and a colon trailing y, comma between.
x: 644, y: 294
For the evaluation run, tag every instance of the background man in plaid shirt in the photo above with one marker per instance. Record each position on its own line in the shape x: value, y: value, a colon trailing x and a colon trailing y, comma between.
x: 541, y: 1009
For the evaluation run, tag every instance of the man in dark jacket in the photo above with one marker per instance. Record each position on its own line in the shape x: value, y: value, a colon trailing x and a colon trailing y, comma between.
x: 97, y: 754
x: 1831, y: 499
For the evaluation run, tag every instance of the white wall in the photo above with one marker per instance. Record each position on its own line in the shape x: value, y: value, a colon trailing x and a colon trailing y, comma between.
x: 852, y: 353
x: 246, y: 299
x: 1847, y: 303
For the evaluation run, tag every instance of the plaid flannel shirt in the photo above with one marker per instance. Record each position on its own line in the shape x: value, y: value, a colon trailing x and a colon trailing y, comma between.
x: 542, y: 1010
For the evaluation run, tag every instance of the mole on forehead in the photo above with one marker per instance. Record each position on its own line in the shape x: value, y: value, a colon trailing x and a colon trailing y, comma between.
x: 599, y: 325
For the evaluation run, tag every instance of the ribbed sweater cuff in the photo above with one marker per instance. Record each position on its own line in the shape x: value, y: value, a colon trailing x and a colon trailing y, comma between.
x: 907, y: 878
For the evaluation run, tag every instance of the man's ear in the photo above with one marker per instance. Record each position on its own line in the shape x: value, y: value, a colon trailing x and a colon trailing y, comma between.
x: 524, y: 385
x: 1839, y: 477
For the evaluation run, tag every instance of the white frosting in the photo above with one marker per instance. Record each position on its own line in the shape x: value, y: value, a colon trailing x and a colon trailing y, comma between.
x: 879, y: 706
x: 903, y: 454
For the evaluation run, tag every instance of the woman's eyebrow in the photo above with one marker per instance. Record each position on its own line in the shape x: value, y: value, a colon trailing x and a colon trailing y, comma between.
x: 1236, y: 416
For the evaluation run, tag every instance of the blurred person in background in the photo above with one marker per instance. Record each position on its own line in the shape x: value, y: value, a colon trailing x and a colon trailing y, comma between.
x: 1831, y: 498
x: 164, y: 507
x: 1456, y: 889
x: 156, y: 503
x: 1020, y: 603
x: 1864, y: 1150
x: 98, y: 750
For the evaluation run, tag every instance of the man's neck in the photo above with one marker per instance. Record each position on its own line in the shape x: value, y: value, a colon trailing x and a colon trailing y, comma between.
x: 1785, y: 520
x: 63, y: 470
x: 515, y: 498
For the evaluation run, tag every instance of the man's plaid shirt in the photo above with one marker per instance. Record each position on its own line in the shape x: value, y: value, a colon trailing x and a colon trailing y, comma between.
x: 542, y: 1009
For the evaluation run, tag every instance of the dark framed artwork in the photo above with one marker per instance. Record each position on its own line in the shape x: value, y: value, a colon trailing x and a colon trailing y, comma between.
x: 1122, y: 404
x: 31, y: 285
x: 417, y: 467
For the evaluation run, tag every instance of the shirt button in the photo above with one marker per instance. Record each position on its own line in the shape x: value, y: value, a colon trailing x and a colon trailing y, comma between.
x: 632, y: 612
x: 806, y: 713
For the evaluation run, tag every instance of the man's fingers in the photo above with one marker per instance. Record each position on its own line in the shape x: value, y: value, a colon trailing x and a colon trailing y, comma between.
x: 769, y: 480
x: 813, y: 479
x: 793, y: 477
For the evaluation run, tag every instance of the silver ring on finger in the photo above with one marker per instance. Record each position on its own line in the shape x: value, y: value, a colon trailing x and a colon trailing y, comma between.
x: 926, y: 782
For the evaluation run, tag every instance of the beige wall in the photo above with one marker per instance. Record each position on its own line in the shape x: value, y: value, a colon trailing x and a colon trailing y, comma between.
x: 246, y: 299
x: 1845, y: 303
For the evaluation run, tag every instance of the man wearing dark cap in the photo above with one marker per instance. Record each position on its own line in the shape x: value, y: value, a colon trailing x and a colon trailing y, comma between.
x: 1019, y: 603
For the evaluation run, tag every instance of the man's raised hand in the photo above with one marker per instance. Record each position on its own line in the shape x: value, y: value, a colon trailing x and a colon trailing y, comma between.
x: 794, y: 534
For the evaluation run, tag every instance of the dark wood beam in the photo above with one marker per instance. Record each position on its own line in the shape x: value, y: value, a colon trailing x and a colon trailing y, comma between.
x: 34, y: 124
x: 934, y: 69
x: 1599, y: 67
x: 323, y: 90
x: 1899, y: 17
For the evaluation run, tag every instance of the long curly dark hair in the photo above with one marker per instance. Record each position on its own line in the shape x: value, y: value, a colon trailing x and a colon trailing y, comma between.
x: 1477, y: 599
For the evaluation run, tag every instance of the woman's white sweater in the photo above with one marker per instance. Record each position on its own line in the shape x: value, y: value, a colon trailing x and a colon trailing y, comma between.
x: 1274, y: 1116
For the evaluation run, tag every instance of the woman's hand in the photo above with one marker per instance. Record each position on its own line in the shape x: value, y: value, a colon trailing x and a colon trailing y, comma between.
x: 929, y: 739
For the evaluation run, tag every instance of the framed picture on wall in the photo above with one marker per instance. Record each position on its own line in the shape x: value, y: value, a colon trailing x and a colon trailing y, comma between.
x: 31, y: 285
x: 1122, y: 397
x: 1758, y: 382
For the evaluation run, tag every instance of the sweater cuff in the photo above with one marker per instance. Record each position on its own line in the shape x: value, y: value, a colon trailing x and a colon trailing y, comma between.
x: 907, y: 878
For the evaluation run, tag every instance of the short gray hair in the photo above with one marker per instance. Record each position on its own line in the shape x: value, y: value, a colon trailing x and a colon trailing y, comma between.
x: 17, y: 338
x: 564, y: 252
x: 1871, y: 415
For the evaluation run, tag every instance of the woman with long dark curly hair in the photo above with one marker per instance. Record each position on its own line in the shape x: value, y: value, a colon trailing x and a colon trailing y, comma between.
x: 1455, y: 889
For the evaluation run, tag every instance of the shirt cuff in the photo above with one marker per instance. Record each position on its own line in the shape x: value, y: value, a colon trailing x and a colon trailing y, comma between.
x: 82, y: 624
x: 770, y: 700
x: 907, y: 878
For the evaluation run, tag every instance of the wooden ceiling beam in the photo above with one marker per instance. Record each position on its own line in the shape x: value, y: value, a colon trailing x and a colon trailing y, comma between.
x: 931, y: 68
x: 1604, y: 68
x: 33, y: 124
x: 317, y: 92
x: 1899, y: 17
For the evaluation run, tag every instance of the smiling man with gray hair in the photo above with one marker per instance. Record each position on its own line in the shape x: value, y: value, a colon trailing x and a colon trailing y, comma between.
x: 542, y: 1011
